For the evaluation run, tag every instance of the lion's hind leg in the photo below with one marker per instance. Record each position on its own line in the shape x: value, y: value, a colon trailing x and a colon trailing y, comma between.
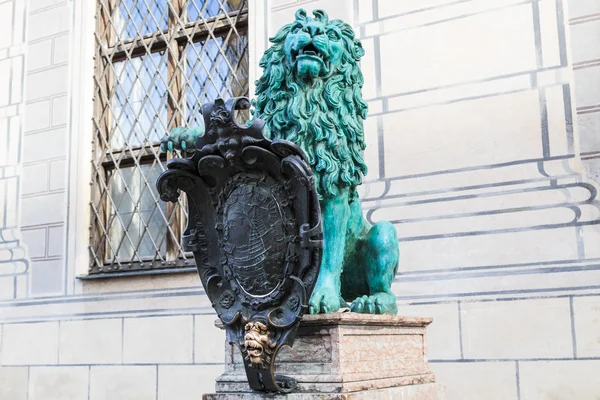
x: 380, y: 257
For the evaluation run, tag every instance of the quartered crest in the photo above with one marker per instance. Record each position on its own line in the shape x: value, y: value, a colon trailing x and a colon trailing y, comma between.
x: 254, y: 227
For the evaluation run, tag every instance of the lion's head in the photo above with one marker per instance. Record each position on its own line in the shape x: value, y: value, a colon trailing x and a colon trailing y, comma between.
x: 310, y: 94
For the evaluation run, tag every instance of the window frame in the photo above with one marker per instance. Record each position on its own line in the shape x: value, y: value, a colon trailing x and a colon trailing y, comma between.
x: 202, y: 30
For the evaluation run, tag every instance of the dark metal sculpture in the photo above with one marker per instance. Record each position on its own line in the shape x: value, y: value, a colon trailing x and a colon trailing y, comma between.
x: 254, y: 227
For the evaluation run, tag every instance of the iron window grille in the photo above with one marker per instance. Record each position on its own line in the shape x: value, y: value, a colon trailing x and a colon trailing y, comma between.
x: 156, y: 63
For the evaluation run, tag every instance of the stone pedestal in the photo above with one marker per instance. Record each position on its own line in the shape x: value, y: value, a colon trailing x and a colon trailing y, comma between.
x: 346, y: 356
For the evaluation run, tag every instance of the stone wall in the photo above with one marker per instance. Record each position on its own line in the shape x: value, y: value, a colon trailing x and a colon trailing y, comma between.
x: 482, y: 148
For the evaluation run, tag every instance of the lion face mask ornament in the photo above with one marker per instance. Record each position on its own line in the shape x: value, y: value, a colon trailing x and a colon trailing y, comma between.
x: 258, y: 344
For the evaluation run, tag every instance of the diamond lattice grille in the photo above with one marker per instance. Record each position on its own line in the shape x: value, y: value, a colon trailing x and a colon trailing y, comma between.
x: 157, y: 62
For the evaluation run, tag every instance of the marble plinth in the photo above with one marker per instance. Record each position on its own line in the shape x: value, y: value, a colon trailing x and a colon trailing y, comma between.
x: 346, y: 356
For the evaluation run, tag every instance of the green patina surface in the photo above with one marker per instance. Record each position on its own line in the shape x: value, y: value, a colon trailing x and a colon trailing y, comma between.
x: 310, y: 94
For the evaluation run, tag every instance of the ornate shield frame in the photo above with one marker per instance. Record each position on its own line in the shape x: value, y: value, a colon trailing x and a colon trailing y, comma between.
x: 254, y: 227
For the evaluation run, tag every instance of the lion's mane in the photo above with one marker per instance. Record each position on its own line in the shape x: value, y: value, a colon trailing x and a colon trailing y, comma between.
x: 324, y: 116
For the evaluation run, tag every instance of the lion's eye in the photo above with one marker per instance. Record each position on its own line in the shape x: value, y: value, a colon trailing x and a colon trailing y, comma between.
x: 295, y: 29
x: 333, y: 35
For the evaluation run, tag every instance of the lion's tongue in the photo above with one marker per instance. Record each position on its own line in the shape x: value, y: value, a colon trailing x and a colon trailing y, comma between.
x: 308, y: 67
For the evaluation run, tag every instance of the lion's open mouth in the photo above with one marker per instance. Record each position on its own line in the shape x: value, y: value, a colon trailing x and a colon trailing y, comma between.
x: 253, y: 348
x: 308, y: 50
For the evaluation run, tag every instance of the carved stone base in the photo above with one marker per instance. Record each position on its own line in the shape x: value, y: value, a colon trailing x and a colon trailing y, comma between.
x: 344, y: 355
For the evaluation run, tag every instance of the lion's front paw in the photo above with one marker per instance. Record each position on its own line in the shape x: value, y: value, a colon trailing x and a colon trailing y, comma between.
x: 324, y: 300
x: 378, y: 303
x: 181, y: 138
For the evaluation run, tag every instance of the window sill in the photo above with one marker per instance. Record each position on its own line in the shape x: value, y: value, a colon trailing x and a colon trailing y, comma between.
x: 162, y: 271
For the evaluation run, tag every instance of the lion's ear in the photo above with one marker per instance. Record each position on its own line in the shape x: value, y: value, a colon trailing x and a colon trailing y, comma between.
x: 321, y: 15
x: 301, y: 14
x: 358, y: 49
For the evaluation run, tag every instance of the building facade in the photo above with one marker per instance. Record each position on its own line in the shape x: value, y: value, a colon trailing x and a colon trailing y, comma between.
x: 483, y: 147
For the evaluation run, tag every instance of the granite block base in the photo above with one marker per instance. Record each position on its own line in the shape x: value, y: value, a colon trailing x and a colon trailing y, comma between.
x: 346, y: 356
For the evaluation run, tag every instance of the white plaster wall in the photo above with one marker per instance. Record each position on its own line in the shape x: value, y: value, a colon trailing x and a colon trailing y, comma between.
x: 481, y: 148
x: 584, y: 23
x: 43, y: 200
x: 14, y: 262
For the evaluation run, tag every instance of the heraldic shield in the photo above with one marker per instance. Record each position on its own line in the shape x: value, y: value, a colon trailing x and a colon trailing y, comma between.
x: 254, y: 226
